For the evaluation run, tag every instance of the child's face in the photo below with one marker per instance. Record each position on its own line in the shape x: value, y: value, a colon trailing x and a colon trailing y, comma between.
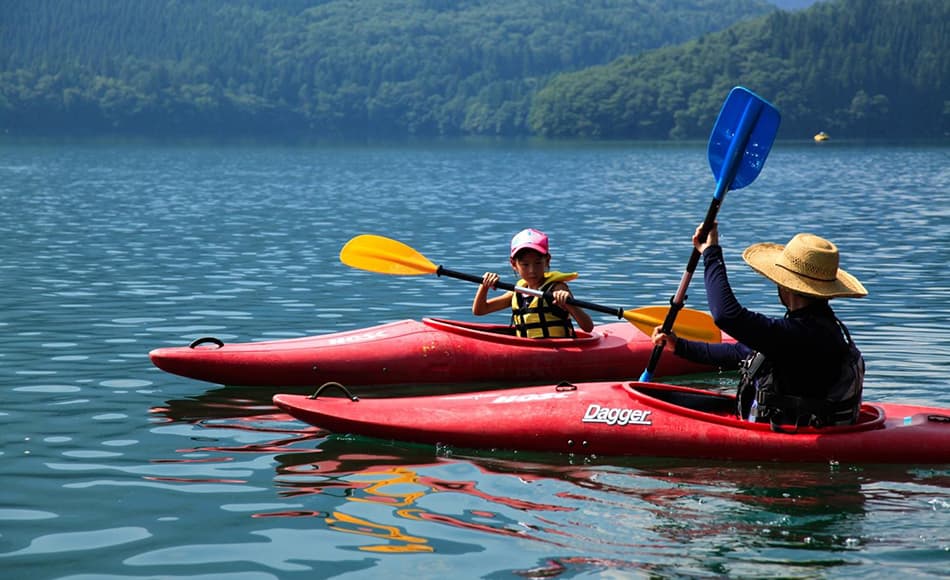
x: 531, y: 266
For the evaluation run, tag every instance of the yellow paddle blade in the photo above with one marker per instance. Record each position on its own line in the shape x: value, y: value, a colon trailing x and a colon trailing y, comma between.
x: 690, y: 324
x: 385, y: 255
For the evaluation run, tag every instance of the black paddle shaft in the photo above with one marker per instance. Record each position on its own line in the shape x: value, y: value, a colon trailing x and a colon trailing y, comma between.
x: 679, y: 299
x: 618, y: 312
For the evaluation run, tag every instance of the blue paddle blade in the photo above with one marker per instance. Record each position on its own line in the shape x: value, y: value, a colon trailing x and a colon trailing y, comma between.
x: 741, y: 139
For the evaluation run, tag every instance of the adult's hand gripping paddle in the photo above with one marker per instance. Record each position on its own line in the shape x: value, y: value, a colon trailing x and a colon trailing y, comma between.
x: 738, y: 145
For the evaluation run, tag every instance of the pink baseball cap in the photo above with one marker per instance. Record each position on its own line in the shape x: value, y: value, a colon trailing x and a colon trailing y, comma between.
x: 529, y: 239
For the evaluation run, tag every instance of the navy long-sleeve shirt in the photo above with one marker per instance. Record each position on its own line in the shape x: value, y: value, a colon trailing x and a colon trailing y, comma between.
x: 805, y: 347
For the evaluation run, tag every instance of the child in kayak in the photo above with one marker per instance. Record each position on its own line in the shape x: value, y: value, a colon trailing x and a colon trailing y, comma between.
x: 802, y: 369
x: 547, y: 316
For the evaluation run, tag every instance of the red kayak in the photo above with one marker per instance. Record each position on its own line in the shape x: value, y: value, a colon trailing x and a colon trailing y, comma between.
x: 641, y: 419
x: 428, y: 352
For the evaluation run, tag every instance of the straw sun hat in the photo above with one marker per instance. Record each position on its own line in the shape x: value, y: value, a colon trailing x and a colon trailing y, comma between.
x: 808, y: 265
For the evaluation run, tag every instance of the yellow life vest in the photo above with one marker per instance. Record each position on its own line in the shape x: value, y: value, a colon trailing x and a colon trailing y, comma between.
x: 536, y: 316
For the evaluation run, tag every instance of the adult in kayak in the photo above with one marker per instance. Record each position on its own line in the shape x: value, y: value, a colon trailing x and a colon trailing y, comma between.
x: 802, y: 369
x: 547, y: 316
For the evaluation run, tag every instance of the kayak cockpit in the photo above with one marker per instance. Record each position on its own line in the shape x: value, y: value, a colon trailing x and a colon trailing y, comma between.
x: 721, y: 408
x: 685, y: 399
x: 506, y: 334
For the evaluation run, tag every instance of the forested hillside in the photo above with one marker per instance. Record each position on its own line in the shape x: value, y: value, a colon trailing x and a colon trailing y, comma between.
x: 854, y: 68
x: 652, y: 69
x: 316, y: 67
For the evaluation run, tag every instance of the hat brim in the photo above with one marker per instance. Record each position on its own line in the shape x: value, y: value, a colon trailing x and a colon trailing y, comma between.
x: 764, y: 258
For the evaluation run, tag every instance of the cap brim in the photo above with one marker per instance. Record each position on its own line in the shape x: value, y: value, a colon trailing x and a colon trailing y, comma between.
x: 539, y: 249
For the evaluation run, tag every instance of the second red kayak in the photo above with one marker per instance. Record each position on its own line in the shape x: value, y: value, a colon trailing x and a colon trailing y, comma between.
x: 632, y: 419
x: 427, y: 352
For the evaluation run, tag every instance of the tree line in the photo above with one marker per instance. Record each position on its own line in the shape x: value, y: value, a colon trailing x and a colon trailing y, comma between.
x: 854, y: 68
x: 390, y: 68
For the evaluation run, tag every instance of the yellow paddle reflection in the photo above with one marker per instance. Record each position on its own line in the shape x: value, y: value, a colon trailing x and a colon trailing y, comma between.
x: 401, y: 488
x: 397, y: 487
x: 341, y: 522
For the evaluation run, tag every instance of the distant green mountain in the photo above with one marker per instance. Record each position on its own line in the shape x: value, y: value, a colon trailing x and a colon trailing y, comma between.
x: 854, y: 68
x: 654, y: 69
x: 316, y: 67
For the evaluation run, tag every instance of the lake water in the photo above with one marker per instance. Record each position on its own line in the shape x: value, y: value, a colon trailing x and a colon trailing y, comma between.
x: 114, y: 469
